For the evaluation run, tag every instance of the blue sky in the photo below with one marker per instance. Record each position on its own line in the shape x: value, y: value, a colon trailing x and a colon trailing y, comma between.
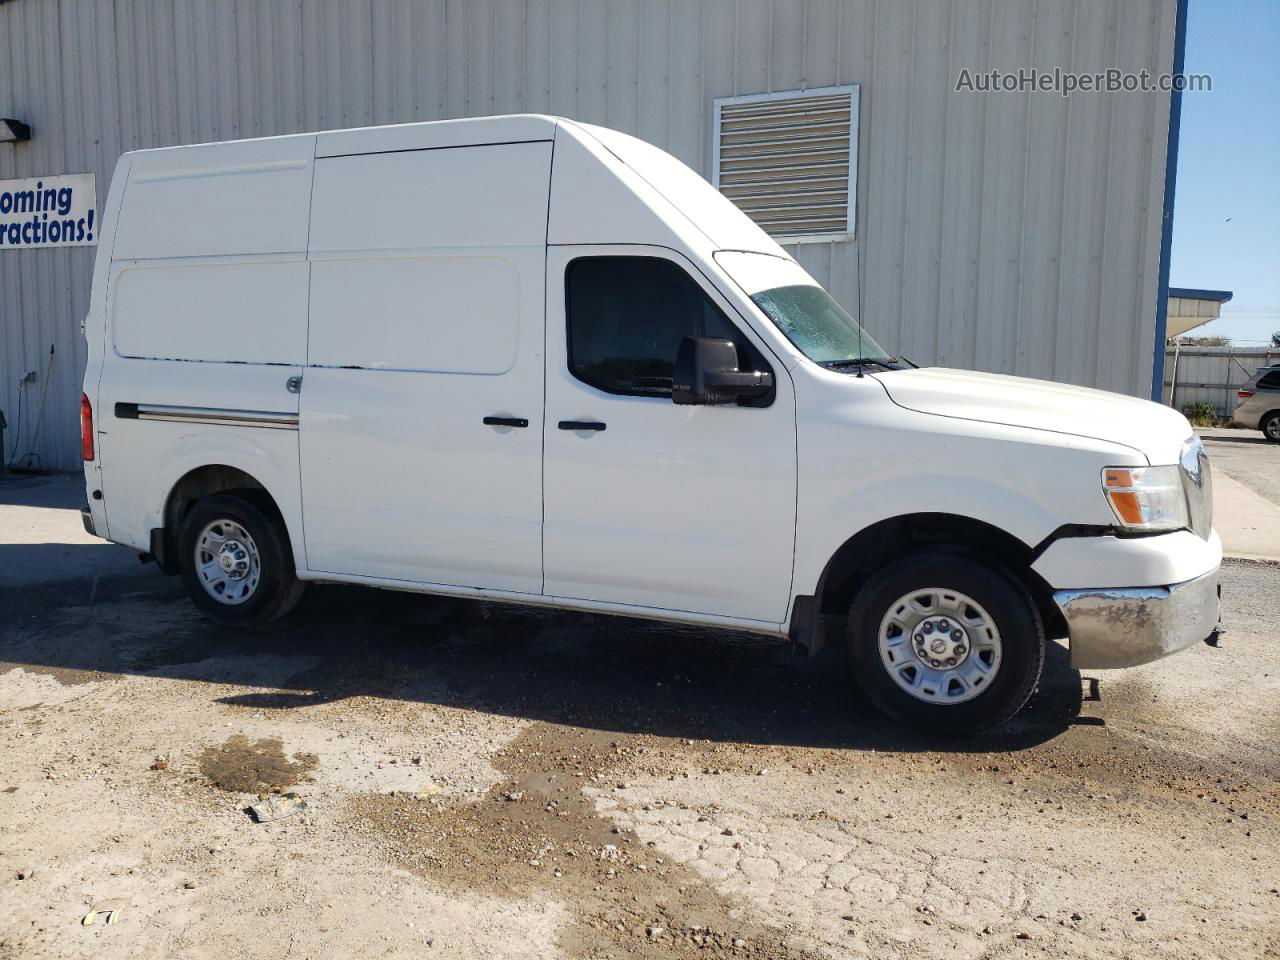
x: 1226, y: 221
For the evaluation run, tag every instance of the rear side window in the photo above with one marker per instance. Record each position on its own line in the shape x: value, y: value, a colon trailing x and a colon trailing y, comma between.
x: 627, y: 316
x: 1270, y: 381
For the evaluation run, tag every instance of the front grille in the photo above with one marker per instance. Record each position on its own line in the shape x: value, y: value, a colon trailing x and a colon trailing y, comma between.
x: 1197, y: 482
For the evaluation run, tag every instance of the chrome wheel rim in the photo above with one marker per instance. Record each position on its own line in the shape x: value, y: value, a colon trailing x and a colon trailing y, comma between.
x: 940, y: 646
x: 1273, y: 428
x: 227, y: 562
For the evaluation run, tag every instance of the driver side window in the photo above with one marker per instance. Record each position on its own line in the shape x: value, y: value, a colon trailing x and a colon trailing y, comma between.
x: 627, y: 316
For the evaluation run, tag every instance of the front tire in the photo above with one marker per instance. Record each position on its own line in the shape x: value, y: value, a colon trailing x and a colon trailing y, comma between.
x: 945, y: 643
x: 237, y: 562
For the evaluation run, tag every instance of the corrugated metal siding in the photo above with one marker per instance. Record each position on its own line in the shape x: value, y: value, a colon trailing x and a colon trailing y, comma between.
x: 1010, y: 232
x: 1211, y: 374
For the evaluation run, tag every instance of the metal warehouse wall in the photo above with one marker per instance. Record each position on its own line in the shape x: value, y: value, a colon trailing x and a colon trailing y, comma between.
x: 1011, y: 232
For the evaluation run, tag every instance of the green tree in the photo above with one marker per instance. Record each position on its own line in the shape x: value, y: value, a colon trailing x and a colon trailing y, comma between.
x: 1203, y: 341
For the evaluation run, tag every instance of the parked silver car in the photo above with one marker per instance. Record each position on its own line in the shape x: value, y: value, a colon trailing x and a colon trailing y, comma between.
x: 1258, y: 406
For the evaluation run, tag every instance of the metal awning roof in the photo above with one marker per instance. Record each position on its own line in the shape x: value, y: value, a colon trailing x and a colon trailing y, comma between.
x: 1191, y: 293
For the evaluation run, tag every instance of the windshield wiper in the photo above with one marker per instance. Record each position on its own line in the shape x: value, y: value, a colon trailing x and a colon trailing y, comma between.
x: 889, y: 363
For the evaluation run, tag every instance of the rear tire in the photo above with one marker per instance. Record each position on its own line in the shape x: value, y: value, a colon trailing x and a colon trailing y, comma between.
x: 945, y: 643
x: 1270, y: 426
x: 237, y: 562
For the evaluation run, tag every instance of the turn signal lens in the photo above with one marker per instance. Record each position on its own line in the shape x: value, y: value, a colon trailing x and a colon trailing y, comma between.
x: 86, y: 428
x: 1146, y: 498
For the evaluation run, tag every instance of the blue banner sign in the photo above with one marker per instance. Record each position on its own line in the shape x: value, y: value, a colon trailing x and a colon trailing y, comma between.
x: 49, y: 212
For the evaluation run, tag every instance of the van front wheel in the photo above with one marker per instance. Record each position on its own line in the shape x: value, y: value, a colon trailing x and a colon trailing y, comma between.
x: 945, y: 643
x: 236, y: 562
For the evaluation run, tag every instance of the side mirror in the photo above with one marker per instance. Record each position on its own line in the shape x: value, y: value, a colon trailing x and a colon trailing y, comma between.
x: 706, y: 372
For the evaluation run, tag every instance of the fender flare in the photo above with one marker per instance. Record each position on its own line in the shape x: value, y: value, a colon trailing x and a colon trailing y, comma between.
x: 244, y: 457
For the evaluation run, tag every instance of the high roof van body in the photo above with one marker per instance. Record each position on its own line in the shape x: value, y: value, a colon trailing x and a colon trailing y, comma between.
x: 531, y: 360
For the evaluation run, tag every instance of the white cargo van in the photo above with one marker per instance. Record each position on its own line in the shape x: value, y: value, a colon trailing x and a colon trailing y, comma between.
x: 531, y: 360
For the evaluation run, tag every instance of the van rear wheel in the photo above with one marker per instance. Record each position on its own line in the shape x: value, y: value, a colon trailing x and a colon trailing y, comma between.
x: 945, y: 643
x: 237, y: 562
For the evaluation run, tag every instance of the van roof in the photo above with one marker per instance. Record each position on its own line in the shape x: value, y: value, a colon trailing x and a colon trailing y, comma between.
x: 512, y: 128
x: 469, y: 131
x: 651, y: 196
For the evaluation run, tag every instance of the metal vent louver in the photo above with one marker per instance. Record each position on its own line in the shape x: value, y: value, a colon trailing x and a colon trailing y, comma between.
x: 789, y: 160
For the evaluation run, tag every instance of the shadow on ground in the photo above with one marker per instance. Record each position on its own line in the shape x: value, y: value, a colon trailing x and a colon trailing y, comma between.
x: 1245, y: 438
x: 594, y: 671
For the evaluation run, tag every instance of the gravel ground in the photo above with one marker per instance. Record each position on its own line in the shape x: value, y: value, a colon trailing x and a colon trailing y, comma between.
x: 492, y: 781
x: 1246, y: 456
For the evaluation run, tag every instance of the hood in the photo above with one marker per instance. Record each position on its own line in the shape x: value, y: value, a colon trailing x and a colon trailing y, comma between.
x: 1155, y: 431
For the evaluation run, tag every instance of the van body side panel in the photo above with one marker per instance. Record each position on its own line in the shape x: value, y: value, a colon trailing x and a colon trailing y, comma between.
x: 206, y: 314
x: 690, y: 196
x: 426, y: 317
x: 233, y: 310
x: 686, y: 509
x: 599, y: 199
x: 679, y: 508
x: 218, y: 199
x: 852, y: 475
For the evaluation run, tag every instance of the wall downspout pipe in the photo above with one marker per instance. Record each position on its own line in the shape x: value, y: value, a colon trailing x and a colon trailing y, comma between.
x: 1170, y: 184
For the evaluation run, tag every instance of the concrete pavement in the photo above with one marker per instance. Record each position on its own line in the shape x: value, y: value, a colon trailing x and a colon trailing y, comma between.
x: 1246, y: 492
x: 1244, y: 455
x: 42, y: 540
x: 1248, y: 523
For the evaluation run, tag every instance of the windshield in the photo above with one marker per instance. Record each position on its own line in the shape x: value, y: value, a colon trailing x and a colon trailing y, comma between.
x: 805, y: 313
x: 817, y: 325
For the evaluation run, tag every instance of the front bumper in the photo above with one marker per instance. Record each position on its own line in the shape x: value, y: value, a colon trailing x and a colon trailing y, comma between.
x: 1126, y: 626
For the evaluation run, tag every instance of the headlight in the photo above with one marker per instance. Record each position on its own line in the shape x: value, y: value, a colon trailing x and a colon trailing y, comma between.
x: 1146, y: 498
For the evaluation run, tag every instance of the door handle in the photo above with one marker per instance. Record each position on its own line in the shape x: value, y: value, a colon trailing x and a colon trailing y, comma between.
x: 581, y: 425
x: 506, y: 422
